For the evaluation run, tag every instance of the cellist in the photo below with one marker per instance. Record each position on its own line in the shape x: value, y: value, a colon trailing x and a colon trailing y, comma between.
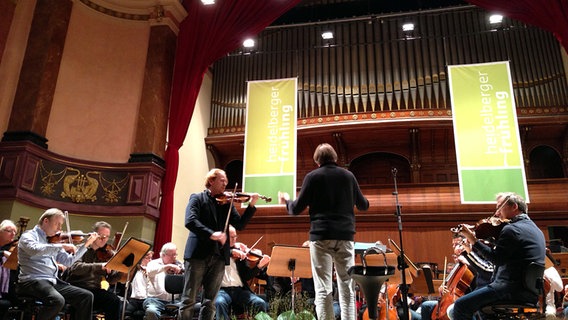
x: 471, y: 266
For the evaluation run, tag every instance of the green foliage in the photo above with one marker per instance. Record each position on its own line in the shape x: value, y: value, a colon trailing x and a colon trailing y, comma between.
x: 280, y: 309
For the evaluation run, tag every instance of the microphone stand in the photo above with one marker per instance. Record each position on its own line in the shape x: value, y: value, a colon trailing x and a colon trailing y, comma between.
x: 401, y: 261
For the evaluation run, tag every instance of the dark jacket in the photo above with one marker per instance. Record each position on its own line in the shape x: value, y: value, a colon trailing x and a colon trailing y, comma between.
x: 88, y: 272
x: 203, y: 217
x: 331, y: 192
x: 520, y: 243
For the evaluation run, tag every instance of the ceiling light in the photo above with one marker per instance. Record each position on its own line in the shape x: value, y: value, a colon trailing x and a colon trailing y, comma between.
x: 326, y: 35
x: 495, y: 18
x: 408, y: 27
x: 208, y: 2
x: 248, y: 43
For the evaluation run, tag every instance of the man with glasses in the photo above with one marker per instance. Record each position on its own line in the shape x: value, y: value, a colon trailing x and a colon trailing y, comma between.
x: 38, y: 269
x: 519, y: 244
x: 156, y: 270
x: 90, y: 273
x: 235, y: 291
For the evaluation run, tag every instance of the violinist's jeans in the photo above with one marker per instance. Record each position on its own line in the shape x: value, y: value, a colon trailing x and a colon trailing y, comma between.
x: 209, y: 273
x: 426, y: 309
x: 238, y: 296
x: 466, y: 306
x: 324, y: 255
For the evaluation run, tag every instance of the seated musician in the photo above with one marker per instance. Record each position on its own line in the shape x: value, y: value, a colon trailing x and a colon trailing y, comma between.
x: 235, y: 290
x: 463, y: 254
x: 519, y: 244
x: 139, y: 286
x: 90, y: 271
x: 158, y: 297
x: 38, y: 269
x: 8, y: 232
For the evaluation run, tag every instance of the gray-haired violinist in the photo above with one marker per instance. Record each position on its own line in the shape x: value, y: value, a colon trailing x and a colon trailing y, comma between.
x: 519, y: 243
x: 38, y: 269
x: 156, y: 270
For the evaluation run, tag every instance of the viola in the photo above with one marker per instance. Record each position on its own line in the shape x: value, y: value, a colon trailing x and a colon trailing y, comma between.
x: 237, y: 197
x: 62, y: 237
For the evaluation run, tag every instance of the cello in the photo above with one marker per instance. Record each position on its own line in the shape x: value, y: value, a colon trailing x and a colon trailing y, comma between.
x: 458, y: 284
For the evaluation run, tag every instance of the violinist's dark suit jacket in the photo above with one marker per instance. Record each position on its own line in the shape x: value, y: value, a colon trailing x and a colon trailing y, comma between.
x: 203, y: 216
x: 520, y: 243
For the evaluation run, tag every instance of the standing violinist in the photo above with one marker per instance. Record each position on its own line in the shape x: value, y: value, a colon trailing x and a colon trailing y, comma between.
x: 38, y: 269
x: 90, y: 271
x: 207, y: 249
x: 519, y: 243
x: 8, y: 232
x: 235, y: 291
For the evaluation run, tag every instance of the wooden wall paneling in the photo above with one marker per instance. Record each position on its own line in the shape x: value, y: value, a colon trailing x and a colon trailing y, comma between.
x: 29, y: 173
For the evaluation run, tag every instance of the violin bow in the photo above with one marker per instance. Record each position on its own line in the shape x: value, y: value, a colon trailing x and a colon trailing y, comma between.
x: 68, y: 226
x: 445, y: 268
x: 121, y: 236
x: 254, y: 244
x: 230, y: 207
x: 502, y: 204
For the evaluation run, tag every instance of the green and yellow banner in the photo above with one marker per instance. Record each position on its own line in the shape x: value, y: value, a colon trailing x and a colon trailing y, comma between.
x: 488, y: 147
x: 270, y: 138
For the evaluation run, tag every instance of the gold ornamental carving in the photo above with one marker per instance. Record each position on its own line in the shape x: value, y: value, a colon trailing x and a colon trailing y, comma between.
x: 80, y: 187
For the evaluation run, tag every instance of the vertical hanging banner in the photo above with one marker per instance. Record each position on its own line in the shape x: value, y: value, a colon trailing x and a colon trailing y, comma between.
x: 270, y: 138
x: 488, y: 147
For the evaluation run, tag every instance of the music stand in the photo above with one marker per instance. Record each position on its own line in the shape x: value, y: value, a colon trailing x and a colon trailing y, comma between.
x: 423, y: 283
x: 290, y: 261
x: 392, y: 258
x: 126, y: 259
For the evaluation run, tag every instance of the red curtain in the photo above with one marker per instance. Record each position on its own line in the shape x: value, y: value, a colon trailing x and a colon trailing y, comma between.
x: 550, y: 15
x: 206, y: 34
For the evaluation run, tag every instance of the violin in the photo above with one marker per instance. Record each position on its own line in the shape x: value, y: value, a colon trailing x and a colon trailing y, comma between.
x: 253, y: 256
x: 62, y: 237
x: 107, y: 251
x: 486, y: 229
x: 237, y: 197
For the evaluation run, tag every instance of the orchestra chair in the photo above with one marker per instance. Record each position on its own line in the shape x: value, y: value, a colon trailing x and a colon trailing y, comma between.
x: 173, y: 284
x: 533, y: 282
